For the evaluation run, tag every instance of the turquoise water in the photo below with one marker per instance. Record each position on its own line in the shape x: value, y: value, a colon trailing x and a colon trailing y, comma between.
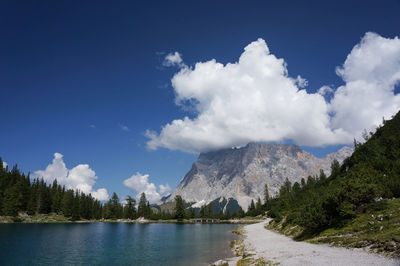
x: 114, y: 244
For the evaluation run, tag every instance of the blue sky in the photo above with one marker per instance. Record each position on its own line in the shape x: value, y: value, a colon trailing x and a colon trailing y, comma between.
x: 86, y: 78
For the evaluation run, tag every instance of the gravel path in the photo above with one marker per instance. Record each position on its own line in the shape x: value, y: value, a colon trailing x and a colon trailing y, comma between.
x: 279, y: 248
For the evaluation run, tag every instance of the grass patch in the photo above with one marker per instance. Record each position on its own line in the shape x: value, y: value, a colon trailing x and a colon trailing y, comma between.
x: 239, y: 230
x: 238, y: 247
x: 255, y: 262
x: 260, y: 217
x: 223, y: 264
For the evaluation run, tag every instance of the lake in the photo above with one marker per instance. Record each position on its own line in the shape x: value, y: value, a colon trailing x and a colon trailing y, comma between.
x: 114, y: 244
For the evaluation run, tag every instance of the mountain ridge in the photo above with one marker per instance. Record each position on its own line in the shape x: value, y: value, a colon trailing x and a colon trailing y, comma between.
x: 241, y: 173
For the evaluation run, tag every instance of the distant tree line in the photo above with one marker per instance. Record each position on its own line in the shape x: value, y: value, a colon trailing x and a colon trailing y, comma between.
x: 18, y: 193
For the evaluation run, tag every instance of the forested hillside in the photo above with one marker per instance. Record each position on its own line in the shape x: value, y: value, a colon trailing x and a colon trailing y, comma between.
x: 366, y: 182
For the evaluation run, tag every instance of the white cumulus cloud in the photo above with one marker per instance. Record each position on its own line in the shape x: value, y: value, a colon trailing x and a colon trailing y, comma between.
x: 140, y: 183
x: 370, y: 72
x: 173, y: 59
x: 81, y: 177
x: 255, y: 99
x: 5, y: 165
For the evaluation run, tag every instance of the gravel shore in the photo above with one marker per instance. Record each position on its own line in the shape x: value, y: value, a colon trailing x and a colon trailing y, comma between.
x: 277, y: 248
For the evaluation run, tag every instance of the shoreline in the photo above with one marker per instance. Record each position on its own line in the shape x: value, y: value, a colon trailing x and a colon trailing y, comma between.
x: 264, y: 246
x: 51, y: 219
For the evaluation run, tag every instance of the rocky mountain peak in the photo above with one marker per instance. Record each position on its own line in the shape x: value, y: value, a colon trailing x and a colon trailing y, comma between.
x: 241, y: 173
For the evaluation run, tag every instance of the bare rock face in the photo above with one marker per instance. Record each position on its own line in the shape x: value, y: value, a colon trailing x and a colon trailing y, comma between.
x: 241, y: 173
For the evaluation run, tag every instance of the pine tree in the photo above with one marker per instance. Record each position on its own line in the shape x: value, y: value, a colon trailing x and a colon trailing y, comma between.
x: 258, y: 210
x: 296, y: 187
x: 129, y: 209
x: 106, y: 211
x: 240, y: 213
x: 113, y: 209
x: 203, y: 211
x: 75, y: 206
x: 44, y: 198
x: 97, y: 210
x: 12, y: 201
x: 2, y: 169
x: 85, y: 206
x: 55, y: 197
x: 266, y: 193
x: 179, y: 208
x: 322, y: 175
x: 114, y: 204
x: 303, y: 183
x: 335, y: 168
x: 68, y: 203
x: 148, y: 211
x: 142, y: 207
x: 210, y: 210
x: 25, y: 191
x: 192, y: 212
x: 252, y: 208
x: 32, y: 204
